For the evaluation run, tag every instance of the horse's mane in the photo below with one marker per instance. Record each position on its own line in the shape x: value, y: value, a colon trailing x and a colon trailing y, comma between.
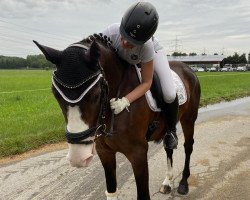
x: 105, y: 42
x: 102, y: 39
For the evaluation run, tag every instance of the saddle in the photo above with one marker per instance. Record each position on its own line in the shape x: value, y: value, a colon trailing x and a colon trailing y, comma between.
x: 155, y: 96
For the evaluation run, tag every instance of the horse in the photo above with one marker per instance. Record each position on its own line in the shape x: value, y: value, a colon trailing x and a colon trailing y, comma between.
x: 88, y: 74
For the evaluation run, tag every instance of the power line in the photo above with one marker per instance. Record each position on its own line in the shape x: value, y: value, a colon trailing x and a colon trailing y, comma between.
x: 22, y: 42
x: 14, y: 40
x: 21, y: 31
x: 33, y: 29
x: 28, y: 42
x: 23, y: 38
x: 15, y: 54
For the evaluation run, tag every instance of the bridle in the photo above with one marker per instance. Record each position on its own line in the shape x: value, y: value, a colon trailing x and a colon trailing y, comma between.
x: 99, y: 129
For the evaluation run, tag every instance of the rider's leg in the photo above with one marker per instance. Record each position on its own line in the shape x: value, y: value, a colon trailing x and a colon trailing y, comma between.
x: 170, y: 109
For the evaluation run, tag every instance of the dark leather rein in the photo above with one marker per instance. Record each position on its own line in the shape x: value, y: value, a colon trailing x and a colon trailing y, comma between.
x: 99, y: 129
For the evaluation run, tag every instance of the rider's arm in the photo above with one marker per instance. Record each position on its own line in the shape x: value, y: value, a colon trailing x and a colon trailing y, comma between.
x: 147, y: 76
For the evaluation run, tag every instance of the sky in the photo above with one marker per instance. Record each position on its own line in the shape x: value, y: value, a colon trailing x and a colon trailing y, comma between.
x: 207, y: 26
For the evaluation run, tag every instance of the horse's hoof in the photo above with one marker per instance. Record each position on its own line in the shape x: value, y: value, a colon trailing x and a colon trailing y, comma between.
x: 165, y: 189
x: 183, y: 189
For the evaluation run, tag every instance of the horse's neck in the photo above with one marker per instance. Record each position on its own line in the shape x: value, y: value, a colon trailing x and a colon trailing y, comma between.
x: 116, y: 72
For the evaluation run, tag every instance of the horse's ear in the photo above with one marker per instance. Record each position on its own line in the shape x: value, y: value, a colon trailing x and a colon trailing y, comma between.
x: 51, y: 54
x: 94, y: 52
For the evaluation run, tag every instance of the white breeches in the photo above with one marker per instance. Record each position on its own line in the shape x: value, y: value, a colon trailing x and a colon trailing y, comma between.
x: 162, y: 69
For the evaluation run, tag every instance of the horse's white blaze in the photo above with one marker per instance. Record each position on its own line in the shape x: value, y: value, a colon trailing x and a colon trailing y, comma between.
x: 75, y: 122
x: 169, y: 173
x: 79, y: 155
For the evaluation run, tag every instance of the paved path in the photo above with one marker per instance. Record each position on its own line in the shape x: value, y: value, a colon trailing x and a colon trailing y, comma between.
x: 220, y: 165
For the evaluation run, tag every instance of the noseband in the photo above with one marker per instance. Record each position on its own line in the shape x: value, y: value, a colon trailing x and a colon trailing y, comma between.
x: 99, y: 129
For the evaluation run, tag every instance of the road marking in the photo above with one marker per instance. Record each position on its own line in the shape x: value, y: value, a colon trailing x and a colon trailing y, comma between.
x: 19, y: 91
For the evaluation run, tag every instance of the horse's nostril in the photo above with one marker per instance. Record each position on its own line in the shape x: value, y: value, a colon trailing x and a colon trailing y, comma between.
x: 88, y: 160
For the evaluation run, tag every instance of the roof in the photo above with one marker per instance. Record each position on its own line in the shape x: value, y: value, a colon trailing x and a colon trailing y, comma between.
x: 198, y: 59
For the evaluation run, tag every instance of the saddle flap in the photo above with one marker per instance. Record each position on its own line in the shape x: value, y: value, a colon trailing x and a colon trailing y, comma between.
x: 155, y: 97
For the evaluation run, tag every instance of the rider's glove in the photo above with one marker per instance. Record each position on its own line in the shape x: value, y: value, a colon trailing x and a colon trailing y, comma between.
x: 119, y: 104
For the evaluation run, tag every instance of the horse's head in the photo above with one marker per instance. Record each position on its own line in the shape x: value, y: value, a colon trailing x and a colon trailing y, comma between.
x: 77, y: 86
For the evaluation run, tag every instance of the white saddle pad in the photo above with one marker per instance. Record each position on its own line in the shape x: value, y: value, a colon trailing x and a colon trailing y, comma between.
x: 180, y: 88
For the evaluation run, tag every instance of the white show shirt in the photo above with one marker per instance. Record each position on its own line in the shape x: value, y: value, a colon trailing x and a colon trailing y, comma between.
x: 139, y: 53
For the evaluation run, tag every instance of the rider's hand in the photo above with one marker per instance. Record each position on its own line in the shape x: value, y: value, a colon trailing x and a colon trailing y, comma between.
x: 119, y: 104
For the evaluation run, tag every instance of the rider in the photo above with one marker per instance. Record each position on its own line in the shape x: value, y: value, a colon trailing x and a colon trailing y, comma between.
x: 134, y: 41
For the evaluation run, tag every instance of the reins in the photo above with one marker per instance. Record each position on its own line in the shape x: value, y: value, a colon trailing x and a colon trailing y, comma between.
x: 111, y: 131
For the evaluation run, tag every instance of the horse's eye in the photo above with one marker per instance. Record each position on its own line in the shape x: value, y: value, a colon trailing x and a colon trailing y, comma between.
x: 95, y: 95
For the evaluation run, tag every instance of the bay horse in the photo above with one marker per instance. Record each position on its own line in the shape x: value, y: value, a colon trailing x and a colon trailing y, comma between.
x: 88, y: 74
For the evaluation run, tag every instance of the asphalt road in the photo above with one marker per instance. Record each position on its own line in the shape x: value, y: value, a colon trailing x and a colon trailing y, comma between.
x: 220, y: 165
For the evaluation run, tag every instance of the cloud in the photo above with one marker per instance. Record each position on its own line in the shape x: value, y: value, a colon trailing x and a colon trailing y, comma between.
x: 242, y: 36
x: 30, y: 8
x: 197, y: 24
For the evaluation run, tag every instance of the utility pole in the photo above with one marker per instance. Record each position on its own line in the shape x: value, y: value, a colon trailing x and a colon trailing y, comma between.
x: 176, y: 45
x: 222, y: 51
x: 204, y: 51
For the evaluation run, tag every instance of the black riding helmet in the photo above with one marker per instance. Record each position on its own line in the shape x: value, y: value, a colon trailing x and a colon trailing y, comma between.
x: 139, y: 23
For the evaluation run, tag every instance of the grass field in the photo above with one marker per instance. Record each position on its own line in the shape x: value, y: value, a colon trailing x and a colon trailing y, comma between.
x: 223, y: 86
x: 30, y: 116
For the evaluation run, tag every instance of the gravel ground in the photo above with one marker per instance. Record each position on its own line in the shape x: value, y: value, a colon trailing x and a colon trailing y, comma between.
x: 220, y: 165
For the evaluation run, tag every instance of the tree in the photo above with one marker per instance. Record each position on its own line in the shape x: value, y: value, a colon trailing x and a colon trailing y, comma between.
x: 243, y: 59
x: 235, y: 59
x: 249, y: 58
x: 192, y: 54
x: 179, y: 54
x: 7, y: 62
x: 32, y: 61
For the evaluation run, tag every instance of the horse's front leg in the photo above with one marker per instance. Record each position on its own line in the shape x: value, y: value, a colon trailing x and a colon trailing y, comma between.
x: 165, y: 187
x: 108, y: 160
x: 138, y: 159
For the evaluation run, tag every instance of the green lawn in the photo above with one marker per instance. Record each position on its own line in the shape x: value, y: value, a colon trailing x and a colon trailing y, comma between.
x: 223, y: 86
x: 30, y: 116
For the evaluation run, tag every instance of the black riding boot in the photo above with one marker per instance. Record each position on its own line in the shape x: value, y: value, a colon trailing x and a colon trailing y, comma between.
x: 170, y: 110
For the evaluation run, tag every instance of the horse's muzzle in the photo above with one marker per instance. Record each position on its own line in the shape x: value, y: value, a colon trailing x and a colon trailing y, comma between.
x: 81, y: 155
